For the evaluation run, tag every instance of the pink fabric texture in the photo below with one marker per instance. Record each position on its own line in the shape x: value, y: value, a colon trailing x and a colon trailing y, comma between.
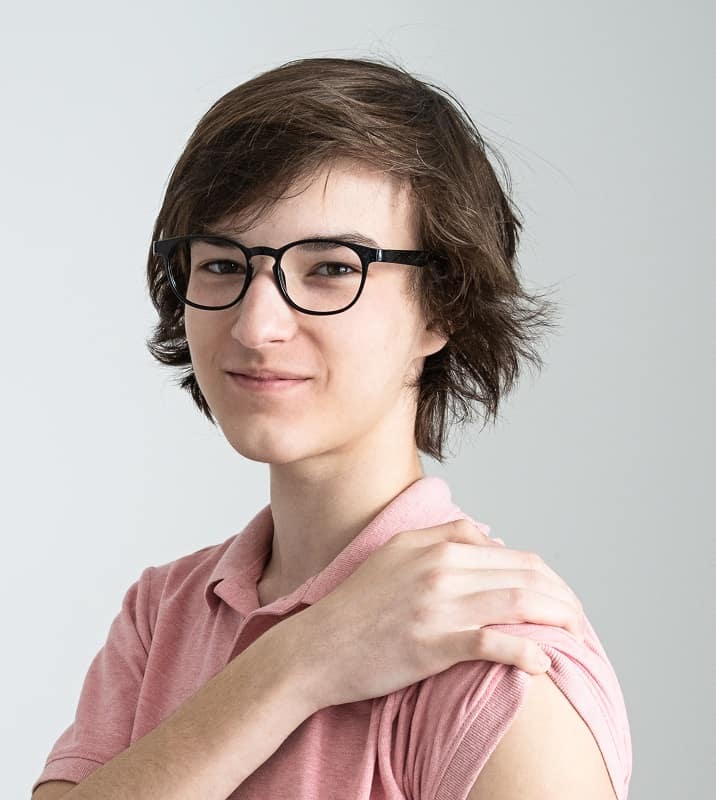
x: 182, y: 622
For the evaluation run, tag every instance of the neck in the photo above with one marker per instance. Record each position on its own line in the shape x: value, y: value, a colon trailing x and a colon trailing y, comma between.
x: 319, y: 508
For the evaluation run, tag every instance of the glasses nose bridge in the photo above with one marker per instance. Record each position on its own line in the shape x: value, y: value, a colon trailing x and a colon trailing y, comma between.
x: 263, y: 250
x: 275, y: 258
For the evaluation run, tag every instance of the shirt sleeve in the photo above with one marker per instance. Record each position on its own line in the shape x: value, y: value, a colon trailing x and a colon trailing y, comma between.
x: 103, y: 722
x: 460, y: 715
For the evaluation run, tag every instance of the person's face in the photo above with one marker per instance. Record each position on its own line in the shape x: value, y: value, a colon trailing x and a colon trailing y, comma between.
x: 357, y: 360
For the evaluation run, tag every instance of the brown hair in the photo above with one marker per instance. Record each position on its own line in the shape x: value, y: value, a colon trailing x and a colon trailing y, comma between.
x: 289, y: 122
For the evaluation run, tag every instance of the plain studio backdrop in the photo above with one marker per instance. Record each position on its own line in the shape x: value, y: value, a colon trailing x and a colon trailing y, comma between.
x: 602, y: 463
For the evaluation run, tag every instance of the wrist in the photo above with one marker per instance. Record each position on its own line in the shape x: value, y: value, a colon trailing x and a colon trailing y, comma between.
x: 283, y: 654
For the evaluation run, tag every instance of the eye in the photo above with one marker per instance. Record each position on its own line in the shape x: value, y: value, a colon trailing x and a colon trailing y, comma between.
x: 340, y: 266
x: 221, y: 263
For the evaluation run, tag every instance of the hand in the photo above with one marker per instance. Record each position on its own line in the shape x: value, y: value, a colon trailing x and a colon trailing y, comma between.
x: 419, y: 604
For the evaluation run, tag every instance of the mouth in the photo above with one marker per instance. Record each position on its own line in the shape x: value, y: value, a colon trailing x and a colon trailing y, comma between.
x: 265, y: 384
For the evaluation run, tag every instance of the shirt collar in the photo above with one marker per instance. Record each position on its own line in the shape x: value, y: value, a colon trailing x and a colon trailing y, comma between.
x: 242, y: 558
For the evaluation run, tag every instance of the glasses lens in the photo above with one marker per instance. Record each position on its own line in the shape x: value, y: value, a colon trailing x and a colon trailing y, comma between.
x: 209, y: 272
x: 319, y: 275
x: 322, y: 276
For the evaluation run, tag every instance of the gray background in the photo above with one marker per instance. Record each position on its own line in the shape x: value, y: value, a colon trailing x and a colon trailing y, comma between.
x: 602, y: 464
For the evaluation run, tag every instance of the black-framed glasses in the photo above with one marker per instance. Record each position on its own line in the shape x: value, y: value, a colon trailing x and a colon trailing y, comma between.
x: 315, y: 276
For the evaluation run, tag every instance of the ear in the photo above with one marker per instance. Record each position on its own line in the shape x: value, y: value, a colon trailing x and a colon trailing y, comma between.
x: 432, y: 342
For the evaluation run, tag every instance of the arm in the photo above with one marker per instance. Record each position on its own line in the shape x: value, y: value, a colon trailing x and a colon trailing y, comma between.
x: 548, y: 753
x: 213, y: 741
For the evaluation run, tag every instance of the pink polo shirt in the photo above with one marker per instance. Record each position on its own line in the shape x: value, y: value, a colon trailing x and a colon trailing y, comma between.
x: 182, y: 622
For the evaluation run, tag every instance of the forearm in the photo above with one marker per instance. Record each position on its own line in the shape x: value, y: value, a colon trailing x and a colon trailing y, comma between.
x: 215, y: 739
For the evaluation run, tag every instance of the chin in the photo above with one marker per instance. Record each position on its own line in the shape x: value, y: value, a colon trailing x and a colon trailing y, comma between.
x: 266, y: 448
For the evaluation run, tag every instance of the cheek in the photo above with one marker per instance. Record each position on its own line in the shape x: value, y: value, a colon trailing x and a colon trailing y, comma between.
x: 358, y: 348
x: 361, y: 369
x: 192, y: 331
x: 202, y: 346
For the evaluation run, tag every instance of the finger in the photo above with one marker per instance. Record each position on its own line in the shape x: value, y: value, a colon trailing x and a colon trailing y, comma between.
x: 547, y: 570
x: 519, y: 568
x: 484, y: 644
x: 463, y: 531
x: 538, y: 563
x: 513, y: 606
x: 541, y: 565
x: 527, y: 580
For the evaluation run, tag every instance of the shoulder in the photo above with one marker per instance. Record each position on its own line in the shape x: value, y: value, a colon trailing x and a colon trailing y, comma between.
x: 198, y: 565
x: 172, y: 583
x: 548, y: 752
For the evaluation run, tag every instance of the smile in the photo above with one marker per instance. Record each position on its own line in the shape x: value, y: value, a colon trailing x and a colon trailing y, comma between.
x: 265, y: 386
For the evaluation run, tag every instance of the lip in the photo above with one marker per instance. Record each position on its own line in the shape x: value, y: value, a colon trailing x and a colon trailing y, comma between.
x: 265, y: 386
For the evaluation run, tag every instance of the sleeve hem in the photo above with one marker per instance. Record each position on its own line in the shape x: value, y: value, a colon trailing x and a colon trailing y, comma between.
x: 484, y: 730
x: 73, y: 768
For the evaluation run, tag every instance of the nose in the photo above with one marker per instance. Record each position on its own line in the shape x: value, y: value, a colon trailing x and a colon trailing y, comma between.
x: 263, y: 314
x: 262, y: 275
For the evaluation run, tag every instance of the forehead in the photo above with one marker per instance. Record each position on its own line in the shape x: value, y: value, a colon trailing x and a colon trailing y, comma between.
x: 338, y: 197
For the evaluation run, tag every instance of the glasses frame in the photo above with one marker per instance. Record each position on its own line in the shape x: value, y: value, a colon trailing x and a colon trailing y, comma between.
x: 368, y: 255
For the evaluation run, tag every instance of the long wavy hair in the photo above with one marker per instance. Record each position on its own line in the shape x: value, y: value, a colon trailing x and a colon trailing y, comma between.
x: 287, y: 124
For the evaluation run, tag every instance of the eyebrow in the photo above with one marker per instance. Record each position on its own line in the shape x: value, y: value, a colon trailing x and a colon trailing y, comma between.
x: 356, y: 237
x: 349, y: 236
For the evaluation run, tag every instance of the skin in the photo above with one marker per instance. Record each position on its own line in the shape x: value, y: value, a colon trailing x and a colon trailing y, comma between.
x: 341, y: 446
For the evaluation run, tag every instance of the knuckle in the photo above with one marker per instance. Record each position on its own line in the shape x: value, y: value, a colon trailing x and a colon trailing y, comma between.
x: 534, y: 562
x: 581, y: 618
x: 534, y: 580
x: 519, y: 599
x: 441, y: 550
x: 399, y: 538
x: 578, y: 607
x: 421, y: 617
x: 434, y: 580
x: 529, y: 562
x: 464, y: 525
